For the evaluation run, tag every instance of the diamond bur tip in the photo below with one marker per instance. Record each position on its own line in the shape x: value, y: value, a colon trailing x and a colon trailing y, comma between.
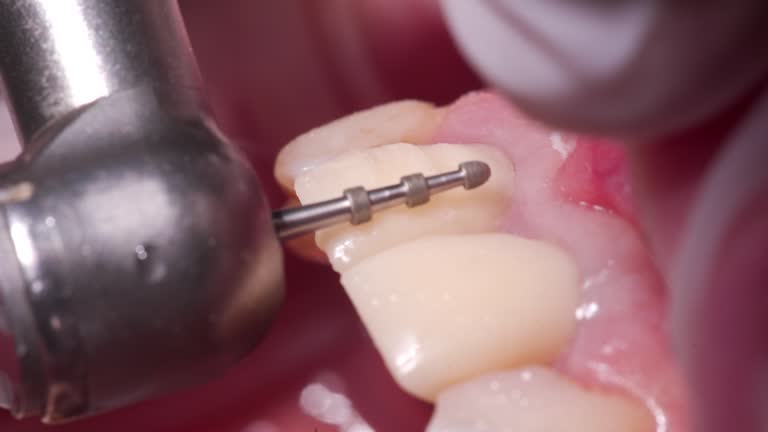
x: 476, y: 173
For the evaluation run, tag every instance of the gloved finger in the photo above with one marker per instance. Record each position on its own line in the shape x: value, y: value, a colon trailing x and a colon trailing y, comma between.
x: 719, y: 282
x: 631, y: 68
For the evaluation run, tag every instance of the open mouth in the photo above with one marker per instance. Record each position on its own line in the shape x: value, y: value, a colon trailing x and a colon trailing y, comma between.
x: 530, y: 304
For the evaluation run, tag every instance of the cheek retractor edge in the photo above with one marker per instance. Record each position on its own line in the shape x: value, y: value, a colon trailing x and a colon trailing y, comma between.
x: 357, y: 205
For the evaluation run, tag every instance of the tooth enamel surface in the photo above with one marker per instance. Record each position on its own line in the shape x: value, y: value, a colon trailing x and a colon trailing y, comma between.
x: 444, y: 309
x: 535, y: 399
x: 452, y: 212
x: 408, y: 121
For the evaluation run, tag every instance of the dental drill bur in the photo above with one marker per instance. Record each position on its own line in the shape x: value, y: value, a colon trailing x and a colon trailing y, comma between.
x: 357, y: 205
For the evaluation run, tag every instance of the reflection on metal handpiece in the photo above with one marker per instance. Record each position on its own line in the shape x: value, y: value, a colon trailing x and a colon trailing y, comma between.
x: 137, y: 254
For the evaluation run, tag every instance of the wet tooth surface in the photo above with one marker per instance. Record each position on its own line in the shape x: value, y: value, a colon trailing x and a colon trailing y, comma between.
x: 444, y: 309
x: 535, y: 399
x: 386, y: 124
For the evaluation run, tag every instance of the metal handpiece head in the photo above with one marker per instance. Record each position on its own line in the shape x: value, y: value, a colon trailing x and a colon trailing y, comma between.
x: 357, y: 205
x: 137, y: 253
x: 143, y: 261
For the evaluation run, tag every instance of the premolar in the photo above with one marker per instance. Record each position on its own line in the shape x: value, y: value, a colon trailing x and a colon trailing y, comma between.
x: 444, y: 309
x: 535, y: 399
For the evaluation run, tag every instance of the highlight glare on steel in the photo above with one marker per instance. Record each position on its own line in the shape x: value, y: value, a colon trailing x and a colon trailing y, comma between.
x: 357, y: 205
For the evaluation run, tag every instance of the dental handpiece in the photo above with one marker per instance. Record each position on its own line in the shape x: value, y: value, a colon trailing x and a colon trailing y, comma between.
x: 131, y: 231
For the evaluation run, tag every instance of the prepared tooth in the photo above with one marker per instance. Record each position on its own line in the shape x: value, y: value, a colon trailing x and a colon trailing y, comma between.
x: 453, y: 212
x: 535, y: 399
x: 444, y: 309
x: 395, y: 122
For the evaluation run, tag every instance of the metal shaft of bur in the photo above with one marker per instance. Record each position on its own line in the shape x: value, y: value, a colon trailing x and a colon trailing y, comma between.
x: 357, y: 205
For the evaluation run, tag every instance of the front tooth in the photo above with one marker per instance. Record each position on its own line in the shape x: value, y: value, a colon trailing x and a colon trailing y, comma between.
x: 444, y: 309
x: 411, y: 121
x: 535, y: 399
x: 455, y: 211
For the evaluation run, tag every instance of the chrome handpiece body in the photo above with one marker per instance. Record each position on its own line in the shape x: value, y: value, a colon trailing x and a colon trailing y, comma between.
x: 130, y: 230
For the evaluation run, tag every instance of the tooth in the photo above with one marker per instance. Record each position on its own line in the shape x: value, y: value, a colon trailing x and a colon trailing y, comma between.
x: 444, y: 309
x: 452, y: 212
x: 535, y: 399
x: 409, y: 121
